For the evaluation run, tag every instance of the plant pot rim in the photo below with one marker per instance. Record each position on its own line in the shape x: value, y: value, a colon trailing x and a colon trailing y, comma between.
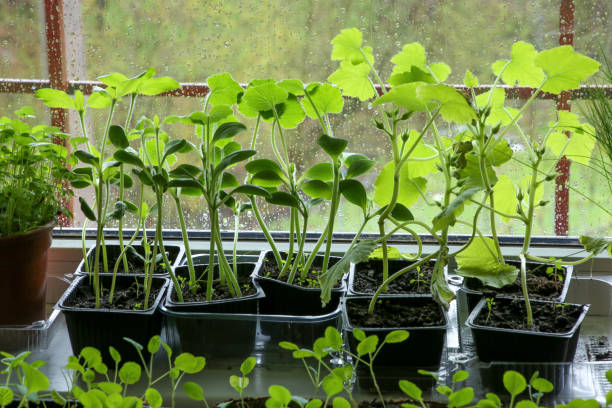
x: 481, y: 304
x: 569, y: 271
x: 90, y: 252
x: 168, y: 303
x: 30, y: 234
x: 75, y: 283
x: 352, y: 271
x: 264, y: 253
x: 348, y: 326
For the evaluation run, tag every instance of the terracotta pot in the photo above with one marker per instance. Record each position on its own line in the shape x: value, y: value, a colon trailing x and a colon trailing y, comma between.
x: 23, y: 276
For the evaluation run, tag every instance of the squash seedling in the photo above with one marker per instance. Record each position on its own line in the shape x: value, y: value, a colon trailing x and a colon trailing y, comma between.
x: 241, y: 383
x: 99, y: 171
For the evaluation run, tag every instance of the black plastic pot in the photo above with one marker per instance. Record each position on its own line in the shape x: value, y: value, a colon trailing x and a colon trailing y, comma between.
x: 284, y: 298
x: 470, y: 293
x: 422, y: 350
x: 220, y: 330
x: 377, y: 265
x: 175, y: 254
x: 498, y: 344
x: 101, y: 328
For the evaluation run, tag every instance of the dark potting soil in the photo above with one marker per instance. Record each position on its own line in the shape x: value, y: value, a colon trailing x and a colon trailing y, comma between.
x: 129, y: 295
x: 540, y: 284
x: 407, y: 312
x: 252, y: 402
x: 368, y: 277
x: 269, y: 269
x: 220, y: 291
x: 375, y: 403
x: 547, y: 317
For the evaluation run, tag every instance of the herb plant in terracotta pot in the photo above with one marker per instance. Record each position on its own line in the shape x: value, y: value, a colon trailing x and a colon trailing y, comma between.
x: 33, y: 172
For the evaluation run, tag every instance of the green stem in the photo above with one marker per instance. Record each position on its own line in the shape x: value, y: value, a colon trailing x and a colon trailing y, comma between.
x: 179, y: 210
x: 177, y: 286
x: 332, y: 215
x: 266, y: 232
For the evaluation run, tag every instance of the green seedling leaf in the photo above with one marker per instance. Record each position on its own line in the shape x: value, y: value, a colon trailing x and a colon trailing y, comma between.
x: 91, y: 355
x: 86, y: 209
x: 417, y: 75
x: 194, y: 391
x: 314, y: 403
x: 264, y: 97
x: 223, y: 89
x: 408, y: 189
x: 332, y: 385
x: 280, y: 394
x: 401, y: 213
x: 54, y: 98
x: 130, y: 373
x: 293, y: 86
x: 154, y: 344
x: 470, y: 80
x: 355, y: 193
x: 128, y: 156
x: 347, y: 47
x: 249, y: 190
x: 153, y: 398
x: 353, y: 80
x: 411, y: 55
x: 334, y: 338
x: 248, y: 365
x: 460, y: 398
x: 228, y: 180
x: 86, y: 157
x: 565, y: 68
x: 267, y: 178
x: 302, y: 353
x: 320, y: 171
x: 134, y: 343
x: 185, y: 170
x: 444, y: 390
x: 188, y: 363
x: 185, y: 183
x: 325, y: 97
x: 448, y: 216
x: 34, y: 380
x: 359, y: 167
x: 397, y: 336
x: 109, y: 387
x: 117, y: 137
x: 493, y: 398
x: 6, y: 396
x: 118, y: 212
x: 504, y: 193
x: 486, y: 404
x: 593, y: 245
x: 526, y: 404
x: 404, y: 96
x: 333, y: 146
x: 233, y: 158
x: 367, y: 345
x: 411, y: 390
x: 144, y: 176
x: 341, y: 402
x: 228, y: 130
x: 542, y: 385
x: 259, y: 165
x: 55, y: 396
x: 239, y: 383
x: 290, y: 113
x: 283, y: 199
x: 288, y: 345
x: 359, y: 253
x: 522, y: 68
x: 99, y: 100
x: 317, y: 189
x: 26, y: 112
x: 478, y: 261
x: 359, y: 335
x: 453, y: 106
x: 79, y: 101
x: 156, y: 86
x: 514, y: 382
x: 460, y: 375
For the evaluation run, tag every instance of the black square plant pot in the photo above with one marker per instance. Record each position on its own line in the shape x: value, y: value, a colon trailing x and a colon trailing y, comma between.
x: 284, y: 298
x: 499, y: 344
x: 223, y: 331
x: 422, y: 350
x: 470, y: 293
x: 550, y: 354
x: 101, y: 328
x: 175, y: 254
x: 294, y: 313
x: 376, y: 266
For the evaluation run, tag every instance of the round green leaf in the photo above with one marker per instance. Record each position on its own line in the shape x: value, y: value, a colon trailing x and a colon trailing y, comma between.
x: 514, y: 382
x: 259, y: 165
x: 267, y: 178
x: 462, y: 397
x: 154, y: 344
x: 280, y: 393
x: 333, y: 146
x: 6, y: 396
x: 542, y: 385
x: 368, y: 345
x: 188, y: 363
x: 332, y: 385
x: 320, y: 171
x: 288, y: 345
x: 317, y: 189
x: 248, y: 365
x: 194, y: 391
x: 355, y: 193
x: 282, y: 198
x: 460, y: 375
x: 129, y: 373
x: 153, y: 397
x: 397, y: 336
x: 341, y: 402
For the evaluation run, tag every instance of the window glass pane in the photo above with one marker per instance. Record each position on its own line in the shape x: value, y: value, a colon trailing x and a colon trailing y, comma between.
x: 21, y: 34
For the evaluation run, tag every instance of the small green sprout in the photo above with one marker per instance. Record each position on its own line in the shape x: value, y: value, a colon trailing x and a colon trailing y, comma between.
x: 242, y: 382
x: 490, y: 304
